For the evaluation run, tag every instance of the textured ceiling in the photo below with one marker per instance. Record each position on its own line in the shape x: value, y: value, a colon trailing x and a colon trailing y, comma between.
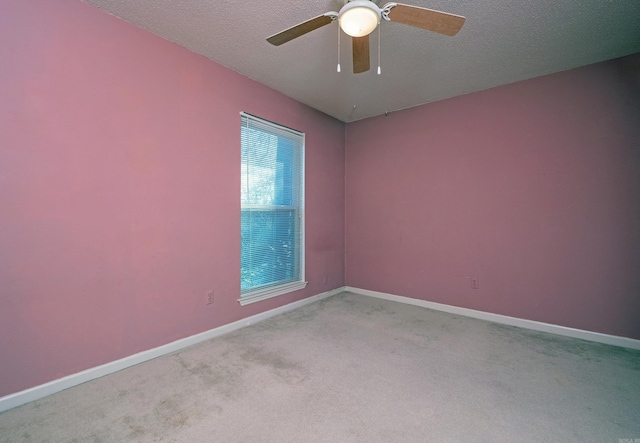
x: 501, y: 42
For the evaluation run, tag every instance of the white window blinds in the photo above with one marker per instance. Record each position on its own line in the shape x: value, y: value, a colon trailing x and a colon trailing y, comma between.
x: 272, y: 209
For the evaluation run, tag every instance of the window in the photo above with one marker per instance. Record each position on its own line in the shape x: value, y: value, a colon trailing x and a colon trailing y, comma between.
x: 272, y: 210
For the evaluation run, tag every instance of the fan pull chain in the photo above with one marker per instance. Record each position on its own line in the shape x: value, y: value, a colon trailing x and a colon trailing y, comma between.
x: 338, y: 48
x: 379, y: 72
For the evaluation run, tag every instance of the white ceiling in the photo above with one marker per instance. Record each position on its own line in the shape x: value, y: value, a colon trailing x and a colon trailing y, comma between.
x: 502, y: 41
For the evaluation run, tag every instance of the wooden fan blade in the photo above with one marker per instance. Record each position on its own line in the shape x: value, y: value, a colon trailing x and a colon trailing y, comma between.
x: 360, y: 54
x: 429, y: 19
x: 301, y: 29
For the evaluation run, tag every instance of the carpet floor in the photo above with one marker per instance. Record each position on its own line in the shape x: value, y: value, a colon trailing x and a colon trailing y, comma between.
x: 352, y: 368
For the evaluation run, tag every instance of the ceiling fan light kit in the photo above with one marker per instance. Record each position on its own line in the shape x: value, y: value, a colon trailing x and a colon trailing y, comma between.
x: 359, y: 18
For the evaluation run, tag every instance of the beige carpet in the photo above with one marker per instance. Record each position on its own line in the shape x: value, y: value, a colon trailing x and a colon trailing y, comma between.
x: 355, y: 369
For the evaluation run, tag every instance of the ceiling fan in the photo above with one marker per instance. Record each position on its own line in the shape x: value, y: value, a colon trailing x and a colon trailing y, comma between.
x: 359, y: 18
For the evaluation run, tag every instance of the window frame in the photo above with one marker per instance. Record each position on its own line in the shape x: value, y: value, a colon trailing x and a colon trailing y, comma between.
x: 275, y: 289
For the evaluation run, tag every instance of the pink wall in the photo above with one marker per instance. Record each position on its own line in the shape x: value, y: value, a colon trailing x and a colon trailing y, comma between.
x: 533, y: 188
x: 120, y: 190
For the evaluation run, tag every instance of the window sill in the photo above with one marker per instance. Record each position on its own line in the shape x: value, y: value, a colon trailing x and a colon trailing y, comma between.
x: 263, y: 294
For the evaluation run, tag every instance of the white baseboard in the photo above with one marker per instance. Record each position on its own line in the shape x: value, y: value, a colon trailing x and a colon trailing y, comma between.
x: 505, y: 320
x: 28, y: 395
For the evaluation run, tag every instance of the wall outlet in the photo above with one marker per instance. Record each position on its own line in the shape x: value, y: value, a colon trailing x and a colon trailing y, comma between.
x: 210, y: 298
x: 475, y: 283
x: 325, y: 279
